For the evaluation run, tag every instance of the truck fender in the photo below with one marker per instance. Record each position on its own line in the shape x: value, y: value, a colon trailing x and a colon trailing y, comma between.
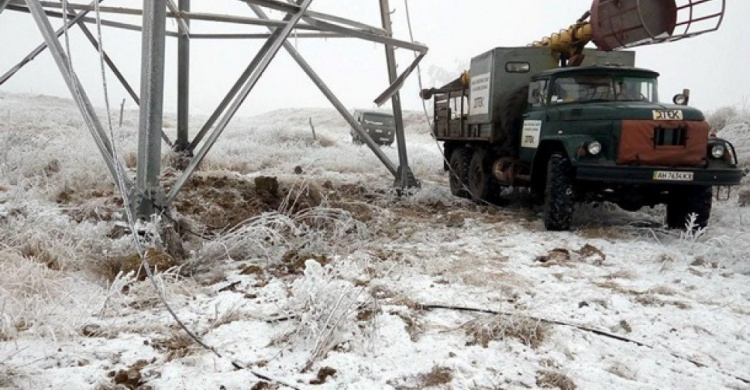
x: 568, y: 145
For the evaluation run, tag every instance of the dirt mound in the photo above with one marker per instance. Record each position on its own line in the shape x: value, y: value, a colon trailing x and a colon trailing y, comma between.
x: 221, y: 202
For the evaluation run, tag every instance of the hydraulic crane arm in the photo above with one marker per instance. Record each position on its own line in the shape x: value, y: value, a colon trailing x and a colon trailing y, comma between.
x: 620, y: 24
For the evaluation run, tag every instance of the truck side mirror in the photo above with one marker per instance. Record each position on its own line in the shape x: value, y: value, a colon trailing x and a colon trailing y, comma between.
x: 682, y: 99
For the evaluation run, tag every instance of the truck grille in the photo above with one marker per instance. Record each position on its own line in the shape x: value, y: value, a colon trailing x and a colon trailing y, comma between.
x: 670, y: 137
x: 664, y: 143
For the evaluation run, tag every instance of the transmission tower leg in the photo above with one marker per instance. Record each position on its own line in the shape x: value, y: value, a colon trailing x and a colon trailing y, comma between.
x: 76, y: 89
x: 183, y: 84
x: 152, y: 99
x: 405, y: 177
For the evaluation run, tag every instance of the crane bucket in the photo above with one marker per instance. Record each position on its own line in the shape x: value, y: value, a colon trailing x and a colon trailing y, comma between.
x: 620, y: 24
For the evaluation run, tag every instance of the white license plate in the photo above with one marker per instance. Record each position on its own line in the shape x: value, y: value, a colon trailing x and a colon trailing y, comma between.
x: 673, y: 176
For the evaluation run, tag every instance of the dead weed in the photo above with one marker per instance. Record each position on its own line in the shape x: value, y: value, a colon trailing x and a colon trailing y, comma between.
x: 39, y: 252
x: 438, y: 376
x: 158, y: 261
x: 177, y: 346
x: 528, y: 331
x: 554, y: 380
x: 323, y: 375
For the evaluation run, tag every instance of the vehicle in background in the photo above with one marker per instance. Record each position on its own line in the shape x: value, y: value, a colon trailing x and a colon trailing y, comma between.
x: 379, y: 125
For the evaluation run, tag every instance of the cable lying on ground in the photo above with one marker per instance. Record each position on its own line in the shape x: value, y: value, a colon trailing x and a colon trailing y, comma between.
x: 584, y: 328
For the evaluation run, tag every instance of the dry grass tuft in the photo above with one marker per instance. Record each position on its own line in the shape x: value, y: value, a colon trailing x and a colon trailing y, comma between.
x: 10, y: 378
x: 438, y: 376
x: 38, y: 251
x: 413, y: 326
x: 622, y: 371
x: 653, y: 300
x: 322, y: 375
x: 293, y: 261
x: 177, y: 346
x: 554, y: 380
x: 158, y: 261
x: 326, y: 310
x: 530, y: 332
x: 131, y: 160
x: 744, y: 197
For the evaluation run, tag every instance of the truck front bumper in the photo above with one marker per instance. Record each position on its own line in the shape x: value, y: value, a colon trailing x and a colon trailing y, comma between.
x: 646, y: 175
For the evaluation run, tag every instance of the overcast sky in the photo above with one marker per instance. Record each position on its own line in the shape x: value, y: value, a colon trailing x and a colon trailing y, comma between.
x: 714, y: 66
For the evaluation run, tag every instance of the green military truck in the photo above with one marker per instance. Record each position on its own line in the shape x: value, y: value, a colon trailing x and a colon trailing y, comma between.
x: 379, y: 125
x: 588, y: 133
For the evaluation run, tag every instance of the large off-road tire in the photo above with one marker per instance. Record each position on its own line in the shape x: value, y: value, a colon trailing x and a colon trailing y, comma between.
x: 482, y: 184
x: 559, y: 195
x: 687, y: 200
x: 357, y: 140
x: 459, y: 173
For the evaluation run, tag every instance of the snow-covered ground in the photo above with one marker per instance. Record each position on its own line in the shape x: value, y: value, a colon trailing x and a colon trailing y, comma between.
x: 342, y: 288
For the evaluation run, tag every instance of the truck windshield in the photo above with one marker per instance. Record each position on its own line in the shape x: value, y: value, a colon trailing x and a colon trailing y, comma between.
x: 378, y: 120
x: 604, y: 87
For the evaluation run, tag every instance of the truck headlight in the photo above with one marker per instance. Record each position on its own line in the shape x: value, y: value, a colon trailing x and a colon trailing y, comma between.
x: 594, y: 148
x: 718, y: 150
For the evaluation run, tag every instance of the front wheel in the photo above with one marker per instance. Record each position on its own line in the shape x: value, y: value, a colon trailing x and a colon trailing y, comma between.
x: 559, y: 196
x: 686, y: 201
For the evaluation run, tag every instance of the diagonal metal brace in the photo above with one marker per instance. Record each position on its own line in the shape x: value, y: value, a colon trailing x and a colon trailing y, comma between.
x: 279, y: 40
x: 3, y: 4
x: 79, y: 95
x: 79, y: 20
x: 70, y: 23
x: 334, y: 100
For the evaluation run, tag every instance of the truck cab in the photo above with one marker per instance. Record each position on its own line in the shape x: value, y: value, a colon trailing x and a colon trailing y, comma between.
x: 589, y: 133
x: 619, y: 143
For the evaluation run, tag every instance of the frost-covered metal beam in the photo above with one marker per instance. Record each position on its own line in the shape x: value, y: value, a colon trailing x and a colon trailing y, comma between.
x: 41, y: 47
x: 183, y: 82
x: 404, y: 177
x: 3, y: 4
x: 153, y: 43
x: 208, y: 17
x: 277, y: 41
x: 289, y: 6
x: 386, y: 39
x: 321, y: 35
x: 333, y: 99
x: 79, y: 95
x: 235, y: 89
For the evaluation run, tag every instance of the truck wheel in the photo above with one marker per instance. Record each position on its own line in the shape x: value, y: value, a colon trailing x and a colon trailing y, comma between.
x: 559, y: 197
x: 459, y: 174
x: 688, y: 200
x: 482, y: 184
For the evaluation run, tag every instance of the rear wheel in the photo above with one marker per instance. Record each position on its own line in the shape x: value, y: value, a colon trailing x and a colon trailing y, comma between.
x: 559, y: 197
x: 686, y: 201
x: 482, y: 183
x: 459, y: 173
